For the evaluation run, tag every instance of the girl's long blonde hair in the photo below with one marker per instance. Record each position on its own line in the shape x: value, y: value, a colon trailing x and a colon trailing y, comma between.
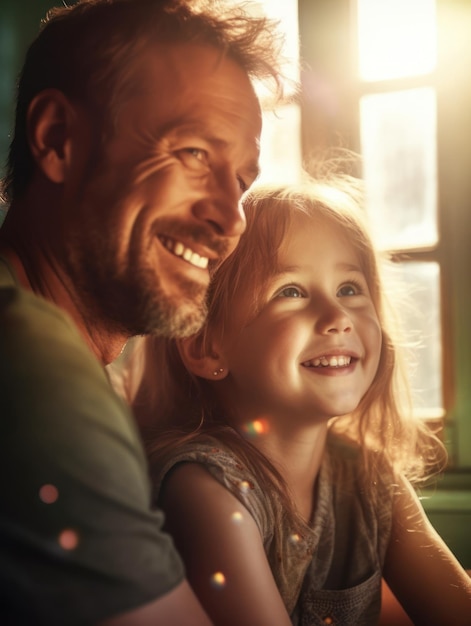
x: 182, y: 408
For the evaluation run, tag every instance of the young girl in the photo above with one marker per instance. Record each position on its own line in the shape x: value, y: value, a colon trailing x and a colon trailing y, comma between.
x: 283, y: 460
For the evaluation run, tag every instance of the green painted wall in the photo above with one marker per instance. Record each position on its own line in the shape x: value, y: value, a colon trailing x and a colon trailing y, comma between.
x: 19, y: 22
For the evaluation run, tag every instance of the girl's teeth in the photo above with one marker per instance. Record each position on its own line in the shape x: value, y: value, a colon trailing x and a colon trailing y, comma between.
x: 333, y: 361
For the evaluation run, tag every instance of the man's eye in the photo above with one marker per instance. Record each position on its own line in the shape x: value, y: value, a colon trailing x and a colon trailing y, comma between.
x: 242, y: 184
x: 290, y: 292
x: 194, y: 158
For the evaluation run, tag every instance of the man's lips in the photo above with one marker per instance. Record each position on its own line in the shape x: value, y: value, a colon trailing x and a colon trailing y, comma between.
x: 184, y: 252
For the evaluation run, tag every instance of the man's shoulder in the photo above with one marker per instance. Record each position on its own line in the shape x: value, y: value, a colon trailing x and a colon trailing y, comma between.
x: 46, y: 368
x: 23, y: 311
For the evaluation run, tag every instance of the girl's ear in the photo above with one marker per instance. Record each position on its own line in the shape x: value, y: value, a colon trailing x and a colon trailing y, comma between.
x: 49, y: 123
x: 199, y: 361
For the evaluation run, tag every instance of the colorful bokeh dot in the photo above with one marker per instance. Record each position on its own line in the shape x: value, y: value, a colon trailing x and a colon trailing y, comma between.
x: 48, y: 494
x: 256, y: 428
x: 218, y: 580
x: 68, y: 539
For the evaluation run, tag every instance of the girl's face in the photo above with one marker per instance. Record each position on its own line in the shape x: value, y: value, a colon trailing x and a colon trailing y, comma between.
x: 313, y: 350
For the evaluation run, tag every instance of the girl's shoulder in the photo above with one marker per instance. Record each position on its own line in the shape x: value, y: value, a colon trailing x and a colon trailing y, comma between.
x: 218, y: 457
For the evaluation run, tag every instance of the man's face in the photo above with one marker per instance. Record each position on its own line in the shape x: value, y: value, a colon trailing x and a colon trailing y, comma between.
x: 163, y: 199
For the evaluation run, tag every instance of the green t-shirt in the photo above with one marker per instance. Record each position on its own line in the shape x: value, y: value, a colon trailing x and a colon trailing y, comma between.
x: 78, y: 541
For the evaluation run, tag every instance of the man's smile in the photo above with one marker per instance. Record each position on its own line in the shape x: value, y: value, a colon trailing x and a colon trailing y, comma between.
x: 184, y: 252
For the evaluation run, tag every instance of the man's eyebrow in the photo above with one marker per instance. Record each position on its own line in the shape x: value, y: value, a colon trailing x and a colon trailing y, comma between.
x: 195, y: 128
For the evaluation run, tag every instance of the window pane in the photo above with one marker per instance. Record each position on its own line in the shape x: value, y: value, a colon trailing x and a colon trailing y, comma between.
x: 396, y: 38
x: 280, y: 148
x: 420, y: 316
x: 280, y: 142
x: 398, y: 139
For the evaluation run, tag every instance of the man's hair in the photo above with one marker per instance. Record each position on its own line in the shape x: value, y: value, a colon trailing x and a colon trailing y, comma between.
x: 89, y: 52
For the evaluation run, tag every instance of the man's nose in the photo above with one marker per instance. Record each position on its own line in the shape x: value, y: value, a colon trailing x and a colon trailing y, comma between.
x: 222, y: 208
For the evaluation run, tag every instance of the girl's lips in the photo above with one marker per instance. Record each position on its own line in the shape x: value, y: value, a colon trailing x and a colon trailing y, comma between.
x: 331, y: 365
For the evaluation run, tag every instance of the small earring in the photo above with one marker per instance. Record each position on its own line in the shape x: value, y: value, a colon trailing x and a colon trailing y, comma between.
x: 218, y: 371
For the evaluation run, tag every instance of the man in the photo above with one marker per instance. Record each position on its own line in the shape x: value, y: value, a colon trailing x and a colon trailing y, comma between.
x: 136, y: 134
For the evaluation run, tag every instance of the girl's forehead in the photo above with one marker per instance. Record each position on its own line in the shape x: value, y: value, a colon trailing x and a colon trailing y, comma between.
x: 316, y: 229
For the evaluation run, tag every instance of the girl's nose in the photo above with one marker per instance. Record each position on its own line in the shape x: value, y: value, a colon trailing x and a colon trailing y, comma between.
x: 333, y: 319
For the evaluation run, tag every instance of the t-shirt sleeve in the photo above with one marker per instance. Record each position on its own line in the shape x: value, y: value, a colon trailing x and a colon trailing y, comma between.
x: 77, y: 537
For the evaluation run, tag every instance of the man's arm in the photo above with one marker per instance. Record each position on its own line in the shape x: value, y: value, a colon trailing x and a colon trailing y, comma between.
x: 178, y: 607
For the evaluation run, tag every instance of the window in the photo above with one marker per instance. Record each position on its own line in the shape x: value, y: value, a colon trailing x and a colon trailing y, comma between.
x: 396, y: 51
x: 280, y: 145
x: 390, y: 80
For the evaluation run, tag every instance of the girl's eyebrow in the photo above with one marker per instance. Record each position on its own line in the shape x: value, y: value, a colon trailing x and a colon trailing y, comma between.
x: 349, y: 267
x: 287, y: 269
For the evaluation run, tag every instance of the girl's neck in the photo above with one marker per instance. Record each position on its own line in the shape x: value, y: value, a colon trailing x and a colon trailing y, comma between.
x: 298, y: 457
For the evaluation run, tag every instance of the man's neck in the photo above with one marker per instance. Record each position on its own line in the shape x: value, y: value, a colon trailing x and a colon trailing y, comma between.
x: 47, y: 283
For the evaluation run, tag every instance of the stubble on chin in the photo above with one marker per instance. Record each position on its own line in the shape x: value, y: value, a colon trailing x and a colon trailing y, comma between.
x: 171, y: 316
x: 132, y: 300
x: 179, y: 323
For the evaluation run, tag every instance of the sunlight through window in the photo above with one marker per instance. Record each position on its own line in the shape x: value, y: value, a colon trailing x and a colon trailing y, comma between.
x: 396, y: 38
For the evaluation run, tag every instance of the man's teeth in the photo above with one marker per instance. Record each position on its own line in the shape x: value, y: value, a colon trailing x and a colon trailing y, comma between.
x: 178, y: 249
x: 329, y: 361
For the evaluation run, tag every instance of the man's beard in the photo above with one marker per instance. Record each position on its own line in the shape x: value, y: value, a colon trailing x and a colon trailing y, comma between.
x: 132, y: 300
x: 164, y: 316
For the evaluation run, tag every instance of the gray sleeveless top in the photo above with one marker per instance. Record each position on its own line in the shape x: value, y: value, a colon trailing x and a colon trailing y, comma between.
x: 331, y: 572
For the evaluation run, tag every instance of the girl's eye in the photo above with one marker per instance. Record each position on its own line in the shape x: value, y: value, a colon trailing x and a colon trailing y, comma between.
x: 290, y: 292
x: 351, y: 289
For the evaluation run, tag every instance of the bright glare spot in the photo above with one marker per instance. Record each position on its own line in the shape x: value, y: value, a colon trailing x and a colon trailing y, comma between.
x: 295, y: 538
x: 48, y: 494
x: 396, y: 38
x: 218, y: 580
x: 245, y: 486
x: 237, y: 517
x: 68, y: 539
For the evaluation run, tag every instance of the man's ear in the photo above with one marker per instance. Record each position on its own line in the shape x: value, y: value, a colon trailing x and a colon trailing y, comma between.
x: 200, y: 361
x: 49, y: 122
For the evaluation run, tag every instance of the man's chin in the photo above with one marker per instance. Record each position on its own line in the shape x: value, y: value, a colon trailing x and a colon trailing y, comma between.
x: 180, y: 321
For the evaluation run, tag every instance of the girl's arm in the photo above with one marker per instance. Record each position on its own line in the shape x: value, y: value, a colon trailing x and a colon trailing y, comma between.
x: 223, y: 553
x: 421, y: 570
